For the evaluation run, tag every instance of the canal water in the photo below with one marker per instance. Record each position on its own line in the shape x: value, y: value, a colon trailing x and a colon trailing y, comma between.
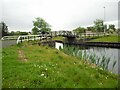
x: 107, y: 58
x: 108, y: 53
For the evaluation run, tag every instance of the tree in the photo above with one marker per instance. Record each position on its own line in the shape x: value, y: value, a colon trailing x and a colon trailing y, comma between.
x: 112, y: 26
x: 79, y: 30
x: 35, y: 30
x: 40, y: 26
x: 3, y: 29
x: 99, y: 27
x: 91, y: 29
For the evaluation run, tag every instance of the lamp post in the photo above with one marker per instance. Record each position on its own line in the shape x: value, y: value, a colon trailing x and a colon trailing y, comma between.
x: 104, y: 19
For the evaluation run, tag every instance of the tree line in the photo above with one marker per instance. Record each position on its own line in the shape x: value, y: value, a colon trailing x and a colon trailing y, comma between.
x: 98, y: 26
x: 4, y: 31
x: 40, y: 26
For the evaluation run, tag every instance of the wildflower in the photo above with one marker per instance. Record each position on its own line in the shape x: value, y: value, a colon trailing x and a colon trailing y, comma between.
x: 34, y: 65
x: 101, y: 68
x: 100, y: 83
x: 45, y: 77
x: 42, y: 74
x: 46, y: 69
x: 44, y: 65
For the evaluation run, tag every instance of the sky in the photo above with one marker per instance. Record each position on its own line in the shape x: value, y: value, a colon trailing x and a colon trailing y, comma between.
x: 60, y: 14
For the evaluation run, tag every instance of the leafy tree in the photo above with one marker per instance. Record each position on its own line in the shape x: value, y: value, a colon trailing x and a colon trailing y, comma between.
x: 23, y: 33
x: 3, y: 29
x: 99, y: 27
x: 79, y: 30
x: 91, y: 29
x: 12, y: 33
x: 40, y: 26
x: 18, y: 33
x: 112, y: 26
x: 35, y: 30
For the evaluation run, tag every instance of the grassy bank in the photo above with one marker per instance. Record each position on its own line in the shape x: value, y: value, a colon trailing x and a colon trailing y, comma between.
x: 33, y: 66
x: 60, y: 38
x: 111, y: 38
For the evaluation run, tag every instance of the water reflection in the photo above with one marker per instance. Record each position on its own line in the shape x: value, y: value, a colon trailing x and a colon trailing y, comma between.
x: 111, y: 53
x: 105, y: 57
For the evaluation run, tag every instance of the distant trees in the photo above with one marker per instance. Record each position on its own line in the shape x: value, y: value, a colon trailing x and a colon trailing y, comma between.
x: 79, y: 30
x: 112, y: 26
x: 91, y: 29
x: 12, y: 33
x: 3, y: 29
x: 40, y: 26
x: 99, y: 26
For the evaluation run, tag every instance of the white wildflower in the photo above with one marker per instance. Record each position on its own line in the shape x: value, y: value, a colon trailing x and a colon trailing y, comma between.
x: 42, y: 74
x: 34, y: 65
x: 105, y: 77
x: 46, y: 69
x: 45, y: 77
x: 44, y: 65
x: 101, y: 68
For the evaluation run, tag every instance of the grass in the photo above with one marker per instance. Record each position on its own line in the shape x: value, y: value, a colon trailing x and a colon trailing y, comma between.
x: 111, y: 38
x: 49, y: 68
x: 60, y: 38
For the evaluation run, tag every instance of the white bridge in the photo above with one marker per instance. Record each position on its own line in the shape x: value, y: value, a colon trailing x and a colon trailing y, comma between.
x: 22, y: 38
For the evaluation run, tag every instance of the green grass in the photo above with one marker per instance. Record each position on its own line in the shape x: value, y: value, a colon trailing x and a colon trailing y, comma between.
x: 60, y: 38
x: 111, y: 38
x: 49, y: 68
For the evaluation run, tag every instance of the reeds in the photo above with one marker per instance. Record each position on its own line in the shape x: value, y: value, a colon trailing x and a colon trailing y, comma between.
x: 92, y: 58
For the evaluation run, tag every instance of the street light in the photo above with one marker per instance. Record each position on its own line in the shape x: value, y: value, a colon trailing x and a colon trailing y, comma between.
x: 104, y: 19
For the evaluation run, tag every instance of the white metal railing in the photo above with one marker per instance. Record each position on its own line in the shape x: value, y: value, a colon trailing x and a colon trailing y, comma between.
x: 9, y: 38
x: 22, y: 38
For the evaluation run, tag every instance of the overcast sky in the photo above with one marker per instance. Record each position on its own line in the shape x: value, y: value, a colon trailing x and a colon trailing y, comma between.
x: 60, y: 14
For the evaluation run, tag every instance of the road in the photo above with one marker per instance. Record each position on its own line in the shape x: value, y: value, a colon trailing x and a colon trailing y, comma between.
x: 7, y: 43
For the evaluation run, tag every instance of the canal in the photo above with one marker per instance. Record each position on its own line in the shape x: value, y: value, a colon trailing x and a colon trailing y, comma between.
x: 107, y: 58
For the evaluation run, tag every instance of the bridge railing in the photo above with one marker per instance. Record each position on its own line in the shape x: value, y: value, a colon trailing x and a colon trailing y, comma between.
x: 9, y: 38
x: 22, y: 38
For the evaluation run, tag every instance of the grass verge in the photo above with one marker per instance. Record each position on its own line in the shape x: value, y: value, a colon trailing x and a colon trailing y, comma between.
x: 49, y: 68
x: 111, y: 38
